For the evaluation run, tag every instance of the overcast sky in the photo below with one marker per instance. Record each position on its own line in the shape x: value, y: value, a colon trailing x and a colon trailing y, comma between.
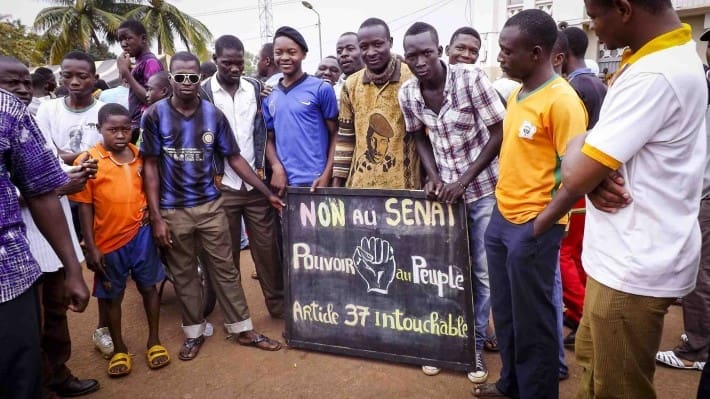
x: 240, y: 18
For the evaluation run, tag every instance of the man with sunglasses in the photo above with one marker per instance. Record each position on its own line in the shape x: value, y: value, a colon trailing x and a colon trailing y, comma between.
x: 182, y: 136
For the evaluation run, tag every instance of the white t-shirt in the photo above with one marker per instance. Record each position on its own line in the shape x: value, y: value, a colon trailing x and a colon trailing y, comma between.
x: 653, y: 123
x: 72, y: 131
x: 118, y: 95
x: 240, y: 112
x: 39, y: 246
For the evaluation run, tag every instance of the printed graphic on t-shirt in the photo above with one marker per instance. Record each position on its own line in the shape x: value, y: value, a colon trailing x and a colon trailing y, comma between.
x: 527, y: 130
x: 82, y: 137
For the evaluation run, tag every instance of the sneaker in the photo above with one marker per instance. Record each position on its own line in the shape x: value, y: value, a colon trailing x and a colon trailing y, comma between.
x: 102, y: 342
x: 480, y: 374
x: 670, y: 359
x: 430, y: 370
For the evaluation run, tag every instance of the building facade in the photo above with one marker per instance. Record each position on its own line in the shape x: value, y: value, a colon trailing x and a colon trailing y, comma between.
x: 489, y: 16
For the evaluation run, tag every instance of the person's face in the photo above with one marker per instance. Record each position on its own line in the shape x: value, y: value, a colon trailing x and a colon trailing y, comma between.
x: 116, y: 131
x: 78, y: 78
x: 421, y: 54
x: 230, y: 65
x: 329, y: 70
x: 463, y: 49
x: 288, y: 55
x: 378, y: 146
x: 375, y: 47
x: 516, y: 57
x: 131, y: 42
x: 186, y: 90
x: 15, y: 78
x: 608, y: 22
x: 262, y: 65
x: 349, y: 55
x: 51, y: 84
x: 75, y: 138
x: 155, y: 90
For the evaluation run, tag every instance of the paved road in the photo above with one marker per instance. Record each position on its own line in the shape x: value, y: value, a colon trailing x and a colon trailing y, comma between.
x: 224, y: 369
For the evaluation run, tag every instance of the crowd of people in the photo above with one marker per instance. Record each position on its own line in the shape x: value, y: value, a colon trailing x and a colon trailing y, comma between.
x: 175, y: 165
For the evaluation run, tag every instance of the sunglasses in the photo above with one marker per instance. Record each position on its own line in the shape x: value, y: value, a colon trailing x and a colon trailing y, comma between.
x: 192, y: 78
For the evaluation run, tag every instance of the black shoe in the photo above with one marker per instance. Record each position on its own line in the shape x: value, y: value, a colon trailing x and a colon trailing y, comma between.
x: 75, y: 387
x: 570, y: 339
x: 569, y: 323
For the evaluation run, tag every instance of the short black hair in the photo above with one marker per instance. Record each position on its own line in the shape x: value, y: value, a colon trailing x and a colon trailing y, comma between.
x: 208, y: 68
x: 112, y: 109
x: 421, y: 27
x: 163, y: 78
x: 81, y: 56
x: 537, y: 26
x: 577, y: 40
x: 348, y: 34
x: 331, y: 56
x: 46, y: 72
x: 465, y: 30
x: 375, y: 22
x: 561, y: 44
x: 184, y: 56
x: 267, y: 48
x: 38, y: 80
x: 652, y: 6
x: 227, y: 41
x: 134, y: 26
x: 10, y: 60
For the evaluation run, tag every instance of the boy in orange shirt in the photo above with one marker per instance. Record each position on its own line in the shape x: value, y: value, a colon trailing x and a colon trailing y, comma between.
x: 112, y: 212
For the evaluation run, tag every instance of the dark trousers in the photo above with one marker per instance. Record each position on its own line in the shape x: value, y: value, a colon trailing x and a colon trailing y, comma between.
x: 704, y: 387
x: 20, y: 371
x: 696, y: 305
x: 522, y: 277
x: 56, y: 342
x: 262, y: 225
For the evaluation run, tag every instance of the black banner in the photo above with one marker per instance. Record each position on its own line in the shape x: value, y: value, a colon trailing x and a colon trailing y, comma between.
x: 383, y: 274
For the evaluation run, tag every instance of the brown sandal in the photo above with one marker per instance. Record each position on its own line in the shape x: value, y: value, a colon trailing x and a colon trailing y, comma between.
x: 488, y: 391
x: 258, y: 340
x: 191, y: 347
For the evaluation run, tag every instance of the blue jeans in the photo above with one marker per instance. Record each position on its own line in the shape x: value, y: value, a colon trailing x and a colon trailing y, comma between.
x: 522, y: 274
x: 479, y: 214
x: 557, y: 297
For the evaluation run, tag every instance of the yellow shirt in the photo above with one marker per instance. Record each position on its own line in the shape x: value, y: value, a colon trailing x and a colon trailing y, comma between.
x: 536, y: 130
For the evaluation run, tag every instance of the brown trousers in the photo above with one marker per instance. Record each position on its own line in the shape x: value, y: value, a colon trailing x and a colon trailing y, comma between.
x: 56, y: 342
x: 262, y: 225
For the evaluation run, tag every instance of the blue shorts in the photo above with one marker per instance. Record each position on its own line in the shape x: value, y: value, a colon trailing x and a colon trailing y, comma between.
x: 139, y: 257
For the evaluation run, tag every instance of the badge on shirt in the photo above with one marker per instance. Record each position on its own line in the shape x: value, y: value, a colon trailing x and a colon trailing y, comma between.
x: 527, y: 130
x: 208, y: 137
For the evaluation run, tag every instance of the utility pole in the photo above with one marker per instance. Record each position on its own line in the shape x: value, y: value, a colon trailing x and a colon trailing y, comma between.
x: 266, y: 21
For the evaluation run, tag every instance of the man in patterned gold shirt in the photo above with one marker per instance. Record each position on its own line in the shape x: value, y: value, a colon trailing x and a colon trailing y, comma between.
x: 373, y: 149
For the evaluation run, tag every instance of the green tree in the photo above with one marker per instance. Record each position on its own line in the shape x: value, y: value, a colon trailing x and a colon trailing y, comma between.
x: 20, y: 43
x: 164, y: 21
x: 80, y: 23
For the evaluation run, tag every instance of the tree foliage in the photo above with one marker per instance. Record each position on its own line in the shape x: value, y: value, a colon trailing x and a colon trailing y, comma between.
x: 17, y: 41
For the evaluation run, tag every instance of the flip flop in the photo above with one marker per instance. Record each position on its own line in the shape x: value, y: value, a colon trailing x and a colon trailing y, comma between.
x: 259, y: 341
x: 119, y: 359
x: 191, y: 347
x: 491, y: 344
x: 670, y: 359
x: 488, y: 391
x: 156, y: 352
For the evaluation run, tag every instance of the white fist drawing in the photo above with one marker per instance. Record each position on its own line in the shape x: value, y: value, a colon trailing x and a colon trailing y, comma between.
x: 374, y: 262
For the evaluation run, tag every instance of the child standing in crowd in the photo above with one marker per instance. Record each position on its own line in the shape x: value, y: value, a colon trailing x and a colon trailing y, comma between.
x: 118, y: 240
x: 158, y: 87
x: 134, y: 42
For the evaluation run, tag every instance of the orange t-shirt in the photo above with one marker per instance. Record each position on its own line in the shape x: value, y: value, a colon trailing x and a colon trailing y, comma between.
x: 118, y: 199
x: 536, y: 130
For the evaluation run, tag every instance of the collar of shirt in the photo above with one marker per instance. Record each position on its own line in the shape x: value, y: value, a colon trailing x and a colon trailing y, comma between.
x: 395, y: 77
x: 577, y: 72
x: 670, y: 39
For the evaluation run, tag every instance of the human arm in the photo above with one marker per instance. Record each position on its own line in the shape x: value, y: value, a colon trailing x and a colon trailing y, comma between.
x: 245, y: 171
x: 123, y: 63
x: 44, y: 209
x: 324, y: 179
x: 432, y: 188
x: 151, y: 186
x: 610, y: 195
x: 94, y: 257
x: 344, y: 140
x: 279, y: 181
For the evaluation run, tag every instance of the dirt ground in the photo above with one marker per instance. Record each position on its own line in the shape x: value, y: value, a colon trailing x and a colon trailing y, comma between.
x: 225, y: 369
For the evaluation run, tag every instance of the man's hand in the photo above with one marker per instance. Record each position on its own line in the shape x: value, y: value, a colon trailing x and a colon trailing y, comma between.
x: 91, y: 165
x: 76, y: 183
x: 322, y: 181
x: 76, y: 293
x: 123, y: 63
x: 279, y: 181
x: 276, y: 202
x: 161, y: 233
x: 265, y: 91
x: 451, y: 192
x: 374, y: 262
x: 95, y: 261
x: 610, y: 195
x: 432, y: 188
